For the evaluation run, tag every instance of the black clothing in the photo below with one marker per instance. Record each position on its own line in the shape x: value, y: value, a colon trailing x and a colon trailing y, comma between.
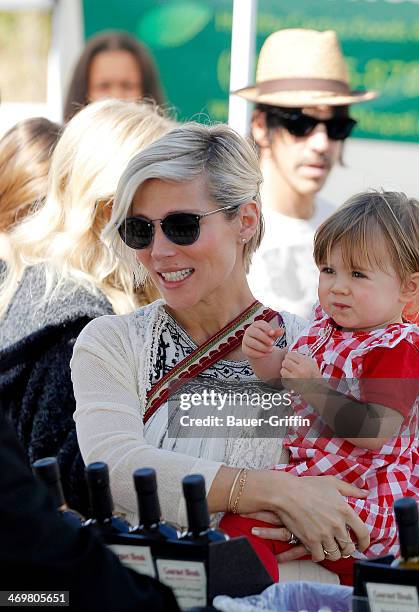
x: 36, y: 345
x: 40, y: 551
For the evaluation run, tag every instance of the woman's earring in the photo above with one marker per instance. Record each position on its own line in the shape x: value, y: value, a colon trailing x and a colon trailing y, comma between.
x: 243, y: 240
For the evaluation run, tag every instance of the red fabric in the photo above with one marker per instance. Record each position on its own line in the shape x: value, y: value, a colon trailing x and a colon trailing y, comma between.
x: 349, y: 361
x: 236, y: 525
x: 399, y: 363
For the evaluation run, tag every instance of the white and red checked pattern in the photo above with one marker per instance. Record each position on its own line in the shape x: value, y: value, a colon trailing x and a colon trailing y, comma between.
x: 392, y: 472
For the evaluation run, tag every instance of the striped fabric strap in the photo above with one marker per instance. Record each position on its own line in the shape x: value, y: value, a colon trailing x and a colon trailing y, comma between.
x: 205, y: 355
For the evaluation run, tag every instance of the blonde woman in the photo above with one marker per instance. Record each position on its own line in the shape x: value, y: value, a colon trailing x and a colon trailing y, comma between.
x: 188, y: 209
x: 61, y: 274
x: 25, y: 157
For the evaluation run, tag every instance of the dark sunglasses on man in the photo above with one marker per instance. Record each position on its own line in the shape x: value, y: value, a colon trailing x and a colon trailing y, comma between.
x: 181, y: 228
x: 299, y: 124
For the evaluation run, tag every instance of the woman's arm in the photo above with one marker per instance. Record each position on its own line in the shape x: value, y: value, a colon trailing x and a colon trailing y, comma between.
x: 110, y: 428
x: 312, y: 508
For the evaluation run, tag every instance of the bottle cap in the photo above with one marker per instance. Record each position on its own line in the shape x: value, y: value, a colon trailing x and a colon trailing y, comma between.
x: 194, y: 487
x: 145, y: 480
x: 97, y: 474
x: 406, y: 511
x: 47, y: 469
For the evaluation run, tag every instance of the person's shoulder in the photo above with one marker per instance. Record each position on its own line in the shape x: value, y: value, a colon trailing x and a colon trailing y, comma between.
x: 294, y: 325
x: 402, y: 361
x: 401, y: 338
x: 398, y: 333
x: 409, y: 337
x: 117, y: 327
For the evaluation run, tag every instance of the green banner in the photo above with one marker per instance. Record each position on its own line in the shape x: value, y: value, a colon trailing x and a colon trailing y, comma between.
x: 191, y: 39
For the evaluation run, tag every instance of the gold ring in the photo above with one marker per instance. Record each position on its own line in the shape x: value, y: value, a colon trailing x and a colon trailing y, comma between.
x: 331, y: 552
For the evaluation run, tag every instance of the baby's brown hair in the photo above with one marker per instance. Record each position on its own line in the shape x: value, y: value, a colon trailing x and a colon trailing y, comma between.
x: 371, y: 226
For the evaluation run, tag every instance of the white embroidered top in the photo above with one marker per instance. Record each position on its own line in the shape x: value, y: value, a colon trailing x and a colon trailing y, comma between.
x: 116, y: 359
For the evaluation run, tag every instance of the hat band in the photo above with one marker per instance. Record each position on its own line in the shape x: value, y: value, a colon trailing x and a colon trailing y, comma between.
x: 303, y: 84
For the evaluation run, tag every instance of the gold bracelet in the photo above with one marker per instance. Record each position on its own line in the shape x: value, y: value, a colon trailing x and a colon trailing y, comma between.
x: 233, y: 486
x: 242, y: 482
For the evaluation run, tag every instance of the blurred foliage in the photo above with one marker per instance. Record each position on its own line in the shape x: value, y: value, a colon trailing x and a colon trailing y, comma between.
x: 24, y: 44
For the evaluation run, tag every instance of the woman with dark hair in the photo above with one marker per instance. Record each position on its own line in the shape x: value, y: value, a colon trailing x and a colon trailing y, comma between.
x: 112, y: 65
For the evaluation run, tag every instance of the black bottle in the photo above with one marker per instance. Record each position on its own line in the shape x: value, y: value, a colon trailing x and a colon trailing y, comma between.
x: 150, y: 526
x: 407, y: 519
x: 47, y: 471
x: 103, y: 520
x: 199, y: 530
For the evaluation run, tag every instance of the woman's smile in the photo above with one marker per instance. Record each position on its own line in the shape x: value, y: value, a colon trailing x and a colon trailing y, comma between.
x: 176, y: 277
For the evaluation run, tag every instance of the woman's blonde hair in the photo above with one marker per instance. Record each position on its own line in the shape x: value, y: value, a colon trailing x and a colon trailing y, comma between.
x: 25, y: 157
x: 226, y: 160
x: 65, y: 233
x: 369, y: 228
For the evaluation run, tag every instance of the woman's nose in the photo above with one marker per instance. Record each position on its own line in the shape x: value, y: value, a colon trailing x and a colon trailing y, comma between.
x: 161, y: 246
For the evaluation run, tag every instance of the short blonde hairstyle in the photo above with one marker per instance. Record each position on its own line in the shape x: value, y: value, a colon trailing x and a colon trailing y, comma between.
x: 65, y: 233
x: 226, y: 160
x: 369, y: 228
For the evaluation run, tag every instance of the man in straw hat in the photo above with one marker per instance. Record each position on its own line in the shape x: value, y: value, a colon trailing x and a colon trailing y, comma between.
x: 300, y: 122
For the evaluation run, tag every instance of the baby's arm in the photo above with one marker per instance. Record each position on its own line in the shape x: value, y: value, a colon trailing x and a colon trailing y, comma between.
x: 364, y: 424
x: 258, y: 346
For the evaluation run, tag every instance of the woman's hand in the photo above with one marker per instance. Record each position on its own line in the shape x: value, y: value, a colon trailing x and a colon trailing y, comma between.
x: 279, y: 532
x: 313, y: 509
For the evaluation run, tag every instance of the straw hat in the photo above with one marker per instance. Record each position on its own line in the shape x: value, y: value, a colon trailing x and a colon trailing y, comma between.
x: 300, y: 68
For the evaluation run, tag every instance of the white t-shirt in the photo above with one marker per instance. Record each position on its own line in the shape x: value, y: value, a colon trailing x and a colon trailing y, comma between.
x: 283, y: 274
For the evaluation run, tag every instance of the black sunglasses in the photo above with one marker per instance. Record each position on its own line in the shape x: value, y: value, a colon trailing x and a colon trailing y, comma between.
x: 298, y: 124
x: 180, y: 228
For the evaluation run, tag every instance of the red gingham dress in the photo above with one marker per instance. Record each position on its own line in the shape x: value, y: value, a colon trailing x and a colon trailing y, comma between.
x: 387, y: 474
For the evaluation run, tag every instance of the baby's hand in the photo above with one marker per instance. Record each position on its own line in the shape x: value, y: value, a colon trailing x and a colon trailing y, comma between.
x: 259, y: 339
x: 300, y: 366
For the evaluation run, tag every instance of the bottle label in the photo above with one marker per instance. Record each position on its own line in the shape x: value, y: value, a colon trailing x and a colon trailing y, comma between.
x: 137, y: 558
x: 391, y: 597
x: 188, y: 579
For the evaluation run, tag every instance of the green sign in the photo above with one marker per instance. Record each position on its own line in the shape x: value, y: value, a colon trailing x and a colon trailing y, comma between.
x: 191, y: 39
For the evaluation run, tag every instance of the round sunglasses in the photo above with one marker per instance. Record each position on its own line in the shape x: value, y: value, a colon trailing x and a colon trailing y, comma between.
x: 181, y: 228
x: 300, y: 125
